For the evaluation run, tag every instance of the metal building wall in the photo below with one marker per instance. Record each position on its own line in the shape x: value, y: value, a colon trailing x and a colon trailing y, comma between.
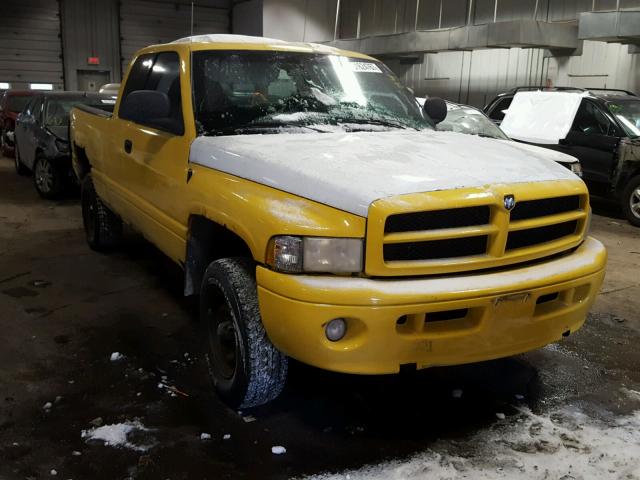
x: 147, y: 22
x: 475, y: 77
x: 30, y: 43
x: 90, y: 29
x: 299, y: 20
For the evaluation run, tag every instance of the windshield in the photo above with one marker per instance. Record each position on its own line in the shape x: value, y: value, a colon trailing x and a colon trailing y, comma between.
x: 468, y: 120
x: 16, y: 103
x: 57, y: 113
x: 248, y: 92
x: 628, y: 114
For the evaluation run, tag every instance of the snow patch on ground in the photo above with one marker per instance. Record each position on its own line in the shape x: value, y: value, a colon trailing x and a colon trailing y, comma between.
x: 564, y: 444
x: 116, y: 357
x: 119, y: 435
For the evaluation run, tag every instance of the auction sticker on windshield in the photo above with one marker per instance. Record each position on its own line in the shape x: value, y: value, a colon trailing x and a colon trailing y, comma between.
x: 364, y: 67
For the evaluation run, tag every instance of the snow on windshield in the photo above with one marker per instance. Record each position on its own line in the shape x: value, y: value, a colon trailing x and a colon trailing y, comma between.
x: 242, y: 92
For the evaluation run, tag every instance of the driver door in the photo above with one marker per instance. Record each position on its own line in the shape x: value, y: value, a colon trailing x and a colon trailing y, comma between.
x: 153, y: 156
x: 593, y: 139
x: 26, y: 131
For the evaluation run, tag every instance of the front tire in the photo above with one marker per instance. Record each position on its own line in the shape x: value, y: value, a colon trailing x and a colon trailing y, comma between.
x: 631, y: 201
x: 245, y: 367
x: 102, y: 227
x: 48, y: 179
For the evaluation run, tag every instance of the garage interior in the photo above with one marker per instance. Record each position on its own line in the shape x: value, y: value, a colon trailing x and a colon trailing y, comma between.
x: 94, y: 340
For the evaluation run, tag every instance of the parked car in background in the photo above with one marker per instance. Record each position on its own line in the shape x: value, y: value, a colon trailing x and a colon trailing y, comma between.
x: 599, y: 127
x: 110, y: 89
x: 472, y: 121
x: 42, y: 138
x: 12, y: 103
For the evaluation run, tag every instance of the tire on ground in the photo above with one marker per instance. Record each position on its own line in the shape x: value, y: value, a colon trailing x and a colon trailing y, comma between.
x: 102, y: 227
x: 52, y: 187
x: 258, y: 371
x: 631, y: 196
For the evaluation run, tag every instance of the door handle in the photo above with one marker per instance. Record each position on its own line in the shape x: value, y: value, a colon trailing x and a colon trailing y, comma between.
x: 128, y: 145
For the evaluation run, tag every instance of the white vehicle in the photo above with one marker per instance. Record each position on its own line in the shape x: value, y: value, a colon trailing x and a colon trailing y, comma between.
x: 472, y: 121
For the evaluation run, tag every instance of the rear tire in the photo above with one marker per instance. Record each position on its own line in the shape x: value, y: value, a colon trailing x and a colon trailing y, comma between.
x: 102, y: 227
x: 48, y: 178
x: 630, y: 201
x: 245, y: 367
x: 19, y: 166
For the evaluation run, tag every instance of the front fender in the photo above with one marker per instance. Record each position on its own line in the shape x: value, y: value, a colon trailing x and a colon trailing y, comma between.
x: 256, y: 212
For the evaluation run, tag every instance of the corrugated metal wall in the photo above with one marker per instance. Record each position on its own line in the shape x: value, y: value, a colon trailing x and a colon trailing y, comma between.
x: 473, y: 77
x: 30, y: 46
x: 306, y: 20
x: 90, y: 29
x: 476, y: 77
x: 146, y: 22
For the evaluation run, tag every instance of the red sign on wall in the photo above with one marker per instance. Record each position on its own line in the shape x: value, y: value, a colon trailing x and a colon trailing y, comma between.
x: 93, y: 60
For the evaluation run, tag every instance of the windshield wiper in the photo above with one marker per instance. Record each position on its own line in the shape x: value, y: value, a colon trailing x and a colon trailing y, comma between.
x: 366, y: 121
x: 274, y: 126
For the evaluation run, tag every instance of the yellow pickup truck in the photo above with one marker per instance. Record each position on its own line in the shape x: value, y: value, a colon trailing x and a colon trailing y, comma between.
x: 320, y: 216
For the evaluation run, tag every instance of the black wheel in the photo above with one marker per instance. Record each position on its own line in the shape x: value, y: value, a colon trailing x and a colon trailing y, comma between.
x: 246, y: 369
x: 102, y: 227
x: 631, y: 201
x: 48, y: 178
x: 20, y: 168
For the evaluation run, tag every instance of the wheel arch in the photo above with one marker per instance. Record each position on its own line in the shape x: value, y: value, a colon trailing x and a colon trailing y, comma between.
x: 207, y: 241
x: 80, y: 161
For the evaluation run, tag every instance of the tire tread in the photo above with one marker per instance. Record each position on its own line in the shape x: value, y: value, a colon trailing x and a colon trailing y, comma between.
x: 267, y: 366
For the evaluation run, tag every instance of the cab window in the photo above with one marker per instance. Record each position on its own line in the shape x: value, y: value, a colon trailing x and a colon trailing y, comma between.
x: 159, y: 72
x: 590, y: 120
x: 34, y: 109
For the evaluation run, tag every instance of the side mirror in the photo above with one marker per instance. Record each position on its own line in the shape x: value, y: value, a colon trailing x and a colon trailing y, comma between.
x: 435, y: 108
x: 145, y: 106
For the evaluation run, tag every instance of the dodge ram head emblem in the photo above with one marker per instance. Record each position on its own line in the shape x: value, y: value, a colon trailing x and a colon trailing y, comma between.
x: 509, y: 202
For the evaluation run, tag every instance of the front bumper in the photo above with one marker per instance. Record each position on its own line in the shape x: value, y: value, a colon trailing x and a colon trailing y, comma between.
x: 490, y: 315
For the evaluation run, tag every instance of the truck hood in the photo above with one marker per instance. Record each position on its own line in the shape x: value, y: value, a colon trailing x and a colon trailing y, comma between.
x: 351, y: 170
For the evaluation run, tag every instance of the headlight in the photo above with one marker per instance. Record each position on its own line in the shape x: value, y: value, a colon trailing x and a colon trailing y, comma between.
x: 577, y: 168
x: 62, y: 146
x: 315, y: 254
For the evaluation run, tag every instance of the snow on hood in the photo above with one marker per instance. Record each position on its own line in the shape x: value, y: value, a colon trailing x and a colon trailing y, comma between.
x: 351, y: 170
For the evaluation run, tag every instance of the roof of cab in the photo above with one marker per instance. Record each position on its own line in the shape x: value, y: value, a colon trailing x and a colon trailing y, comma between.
x: 246, y: 42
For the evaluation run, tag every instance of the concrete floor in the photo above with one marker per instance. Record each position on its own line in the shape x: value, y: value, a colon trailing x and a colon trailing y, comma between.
x: 64, y: 309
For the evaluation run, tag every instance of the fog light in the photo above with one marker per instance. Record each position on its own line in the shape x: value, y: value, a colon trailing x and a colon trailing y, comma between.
x: 336, y: 329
